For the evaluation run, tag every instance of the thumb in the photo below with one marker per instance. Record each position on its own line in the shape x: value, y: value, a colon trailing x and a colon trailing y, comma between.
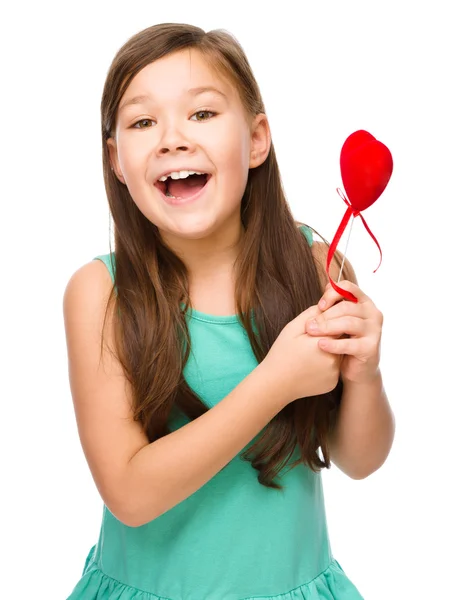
x: 298, y: 324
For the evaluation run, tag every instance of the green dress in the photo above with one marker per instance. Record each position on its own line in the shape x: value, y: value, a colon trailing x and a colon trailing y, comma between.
x: 233, y: 539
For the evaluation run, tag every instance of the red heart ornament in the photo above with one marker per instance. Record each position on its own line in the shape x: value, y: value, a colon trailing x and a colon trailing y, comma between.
x: 366, y: 167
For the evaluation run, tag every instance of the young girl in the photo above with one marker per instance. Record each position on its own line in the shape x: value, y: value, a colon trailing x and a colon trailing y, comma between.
x: 212, y: 376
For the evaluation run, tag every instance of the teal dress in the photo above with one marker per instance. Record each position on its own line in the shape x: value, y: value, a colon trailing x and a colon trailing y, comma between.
x: 233, y: 539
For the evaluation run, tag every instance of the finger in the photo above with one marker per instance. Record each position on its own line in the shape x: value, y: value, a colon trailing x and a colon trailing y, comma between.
x: 335, y: 327
x: 349, y: 346
x: 331, y: 296
x: 344, y: 308
x: 363, y: 310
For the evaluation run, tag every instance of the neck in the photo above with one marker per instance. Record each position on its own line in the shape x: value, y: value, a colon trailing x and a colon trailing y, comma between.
x: 210, y: 257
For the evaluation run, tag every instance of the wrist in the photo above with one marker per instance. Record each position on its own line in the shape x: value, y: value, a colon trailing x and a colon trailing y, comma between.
x: 275, y: 393
x: 367, y: 380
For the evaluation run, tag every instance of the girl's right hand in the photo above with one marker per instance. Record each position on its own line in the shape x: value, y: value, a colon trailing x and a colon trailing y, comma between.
x: 297, y: 365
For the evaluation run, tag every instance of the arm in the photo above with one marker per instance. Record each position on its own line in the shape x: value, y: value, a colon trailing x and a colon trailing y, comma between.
x: 138, y: 480
x: 363, y: 432
x: 181, y: 462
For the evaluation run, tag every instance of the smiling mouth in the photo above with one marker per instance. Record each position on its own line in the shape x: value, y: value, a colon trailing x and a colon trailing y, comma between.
x: 182, y: 189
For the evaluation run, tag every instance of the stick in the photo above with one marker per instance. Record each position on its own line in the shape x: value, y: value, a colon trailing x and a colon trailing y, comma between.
x: 345, y: 249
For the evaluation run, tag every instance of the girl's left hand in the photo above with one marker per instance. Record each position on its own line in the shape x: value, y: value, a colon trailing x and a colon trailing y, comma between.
x: 361, y: 322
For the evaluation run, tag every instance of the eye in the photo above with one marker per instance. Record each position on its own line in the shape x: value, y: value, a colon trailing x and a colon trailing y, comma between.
x: 141, y: 124
x: 204, y: 112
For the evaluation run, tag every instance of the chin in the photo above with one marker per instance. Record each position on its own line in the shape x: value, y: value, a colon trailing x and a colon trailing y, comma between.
x: 190, y: 229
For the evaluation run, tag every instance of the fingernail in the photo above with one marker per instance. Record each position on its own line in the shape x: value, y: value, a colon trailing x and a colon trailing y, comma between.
x: 322, y: 303
x: 313, y: 325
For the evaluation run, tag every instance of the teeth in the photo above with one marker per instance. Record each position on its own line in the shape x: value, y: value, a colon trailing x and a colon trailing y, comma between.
x: 180, y: 175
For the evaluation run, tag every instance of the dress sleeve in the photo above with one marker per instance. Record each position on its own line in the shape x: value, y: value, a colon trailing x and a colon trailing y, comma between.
x: 109, y: 261
x: 308, y: 233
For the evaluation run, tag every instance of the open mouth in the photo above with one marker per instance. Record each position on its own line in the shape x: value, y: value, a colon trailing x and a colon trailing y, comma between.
x: 182, y: 189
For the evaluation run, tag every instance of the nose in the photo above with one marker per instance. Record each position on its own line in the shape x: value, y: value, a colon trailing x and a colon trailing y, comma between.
x: 173, y: 139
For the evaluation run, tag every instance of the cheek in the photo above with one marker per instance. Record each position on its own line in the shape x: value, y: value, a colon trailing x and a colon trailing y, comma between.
x: 132, y: 155
x: 232, y: 155
x: 229, y: 141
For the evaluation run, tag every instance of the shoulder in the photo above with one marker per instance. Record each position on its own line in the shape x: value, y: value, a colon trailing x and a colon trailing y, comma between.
x: 87, y: 293
x: 320, y: 254
x: 93, y: 275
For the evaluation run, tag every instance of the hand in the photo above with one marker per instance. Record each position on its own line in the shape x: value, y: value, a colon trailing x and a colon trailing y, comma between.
x: 361, y: 323
x: 296, y: 363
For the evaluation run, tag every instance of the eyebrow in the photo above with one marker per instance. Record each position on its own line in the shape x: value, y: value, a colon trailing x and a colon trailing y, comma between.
x: 192, y: 92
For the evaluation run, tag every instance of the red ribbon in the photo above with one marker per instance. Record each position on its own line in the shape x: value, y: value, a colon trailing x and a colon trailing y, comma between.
x: 351, y: 211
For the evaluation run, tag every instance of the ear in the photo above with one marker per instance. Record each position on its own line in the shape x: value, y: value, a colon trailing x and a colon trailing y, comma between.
x: 112, y: 147
x: 260, y: 141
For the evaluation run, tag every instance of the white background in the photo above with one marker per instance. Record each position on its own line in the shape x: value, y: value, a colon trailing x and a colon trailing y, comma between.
x: 325, y: 69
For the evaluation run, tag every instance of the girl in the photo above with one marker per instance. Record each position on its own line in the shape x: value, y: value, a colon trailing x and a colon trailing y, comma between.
x: 212, y: 377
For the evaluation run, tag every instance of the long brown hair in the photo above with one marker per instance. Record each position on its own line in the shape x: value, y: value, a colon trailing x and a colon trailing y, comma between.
x: 277, y: 276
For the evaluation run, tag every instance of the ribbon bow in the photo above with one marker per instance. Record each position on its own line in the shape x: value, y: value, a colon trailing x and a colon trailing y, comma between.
x: 366, y: 167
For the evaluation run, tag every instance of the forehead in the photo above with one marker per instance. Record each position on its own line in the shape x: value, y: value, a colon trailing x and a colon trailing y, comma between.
x: 170, y: 77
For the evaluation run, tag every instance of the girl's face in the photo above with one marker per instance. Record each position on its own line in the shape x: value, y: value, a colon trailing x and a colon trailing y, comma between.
x: 178, y: 115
